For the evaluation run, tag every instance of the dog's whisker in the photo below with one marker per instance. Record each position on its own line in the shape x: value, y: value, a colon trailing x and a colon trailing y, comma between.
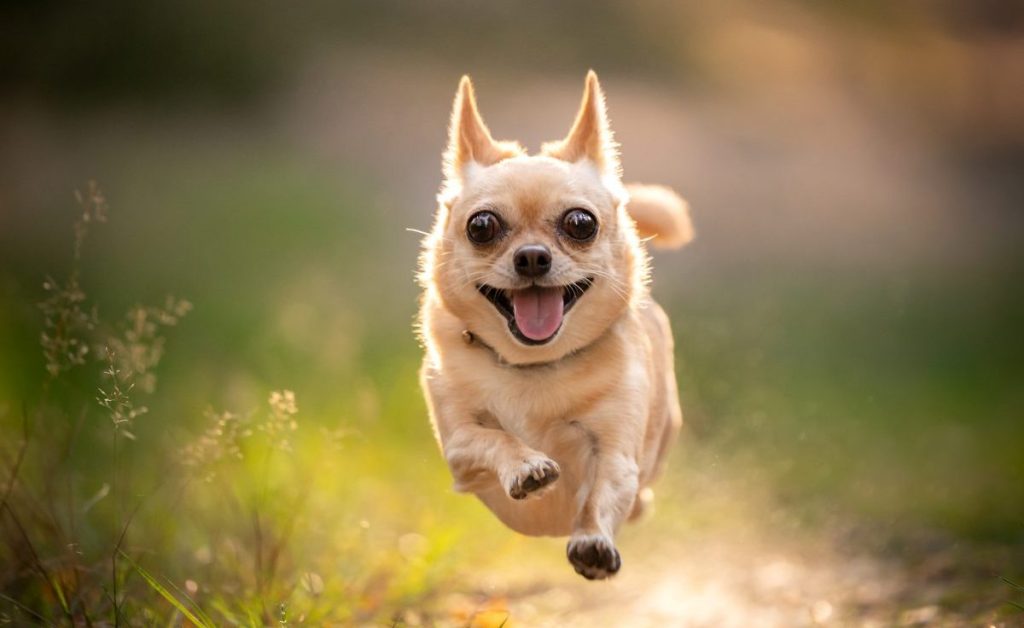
x: 617, y: 286
x: 472, y: 279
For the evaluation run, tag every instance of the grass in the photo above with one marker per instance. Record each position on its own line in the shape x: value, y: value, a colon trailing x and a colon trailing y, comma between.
x: 887, y: 403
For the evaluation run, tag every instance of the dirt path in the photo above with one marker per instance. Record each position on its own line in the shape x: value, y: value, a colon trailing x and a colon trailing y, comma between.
x: 747, y: 578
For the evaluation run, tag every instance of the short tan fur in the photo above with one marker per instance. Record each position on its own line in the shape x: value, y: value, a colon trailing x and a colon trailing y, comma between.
x: 559, y: 435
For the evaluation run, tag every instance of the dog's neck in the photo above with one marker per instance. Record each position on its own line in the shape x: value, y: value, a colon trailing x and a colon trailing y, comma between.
x: 474, y: 340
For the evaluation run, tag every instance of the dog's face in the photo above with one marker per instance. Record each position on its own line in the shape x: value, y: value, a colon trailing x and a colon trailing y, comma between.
x: 535, y: 254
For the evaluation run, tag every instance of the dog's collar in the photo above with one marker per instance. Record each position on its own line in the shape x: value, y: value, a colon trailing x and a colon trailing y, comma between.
x: 472, y: 339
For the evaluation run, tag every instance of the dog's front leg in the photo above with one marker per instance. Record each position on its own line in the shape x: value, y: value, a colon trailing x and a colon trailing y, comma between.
x: 476, y: 453
x: 476, y: 447
x: 606, y: 499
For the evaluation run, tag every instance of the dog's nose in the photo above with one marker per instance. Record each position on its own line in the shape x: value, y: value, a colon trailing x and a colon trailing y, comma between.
x: 532, y: 260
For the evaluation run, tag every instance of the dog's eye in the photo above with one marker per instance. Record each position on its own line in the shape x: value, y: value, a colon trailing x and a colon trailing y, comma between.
x: 483, y: 227
x: 579, y: 224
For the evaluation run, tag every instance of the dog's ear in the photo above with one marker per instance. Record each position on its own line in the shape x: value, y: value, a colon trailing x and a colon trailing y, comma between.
x: 590, y: 137
x: 469, y: 140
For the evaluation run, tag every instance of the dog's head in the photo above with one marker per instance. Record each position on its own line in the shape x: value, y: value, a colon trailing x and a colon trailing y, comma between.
x: 535, y: 254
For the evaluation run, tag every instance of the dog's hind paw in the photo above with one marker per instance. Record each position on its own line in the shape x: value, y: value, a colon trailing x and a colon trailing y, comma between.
x: 532, y: 476
x: 593, y: 556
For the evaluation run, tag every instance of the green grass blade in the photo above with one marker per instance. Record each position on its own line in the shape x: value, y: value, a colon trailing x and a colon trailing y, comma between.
x: 167, y: 595
x: 1012, y: 583
x: 195, y: 607
x: 60, y: 596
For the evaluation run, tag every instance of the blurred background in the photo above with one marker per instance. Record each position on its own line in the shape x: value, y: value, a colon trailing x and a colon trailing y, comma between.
x: 848, y: 319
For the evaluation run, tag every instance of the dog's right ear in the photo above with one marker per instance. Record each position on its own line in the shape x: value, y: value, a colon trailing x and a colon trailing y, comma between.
x: 469, y: 141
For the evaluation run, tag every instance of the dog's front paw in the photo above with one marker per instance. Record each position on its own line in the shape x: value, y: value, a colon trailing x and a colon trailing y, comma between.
x: 593, y: 556
x: 532, y: 476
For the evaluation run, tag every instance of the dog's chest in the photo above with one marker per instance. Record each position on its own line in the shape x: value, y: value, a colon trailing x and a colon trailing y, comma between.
x: 535, y: 402
x: 519, y: 400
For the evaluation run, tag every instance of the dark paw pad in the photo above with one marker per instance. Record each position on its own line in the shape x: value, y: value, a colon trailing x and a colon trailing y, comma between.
x: 593, y: 557
x: 533, y: 476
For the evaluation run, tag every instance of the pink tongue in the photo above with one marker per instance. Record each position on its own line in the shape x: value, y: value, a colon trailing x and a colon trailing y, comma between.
x: 538, y: 311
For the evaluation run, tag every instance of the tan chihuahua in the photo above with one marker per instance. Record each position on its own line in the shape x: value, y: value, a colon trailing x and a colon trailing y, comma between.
x: 548, y: 369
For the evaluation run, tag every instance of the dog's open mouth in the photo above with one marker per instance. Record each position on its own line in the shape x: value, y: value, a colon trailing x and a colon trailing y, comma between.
x: 535, y: 314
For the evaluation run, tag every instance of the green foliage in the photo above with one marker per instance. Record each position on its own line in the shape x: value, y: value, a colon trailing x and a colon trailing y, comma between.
x: 186, y: 608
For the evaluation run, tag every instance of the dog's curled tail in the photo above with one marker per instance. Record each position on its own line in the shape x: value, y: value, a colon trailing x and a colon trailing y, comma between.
x: 660, y: 215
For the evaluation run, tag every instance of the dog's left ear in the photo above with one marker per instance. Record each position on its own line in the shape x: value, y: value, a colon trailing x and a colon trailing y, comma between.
x: 591, y: 136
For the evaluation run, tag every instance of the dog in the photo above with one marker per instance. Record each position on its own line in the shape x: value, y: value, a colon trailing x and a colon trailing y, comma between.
x: 548, y: 368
